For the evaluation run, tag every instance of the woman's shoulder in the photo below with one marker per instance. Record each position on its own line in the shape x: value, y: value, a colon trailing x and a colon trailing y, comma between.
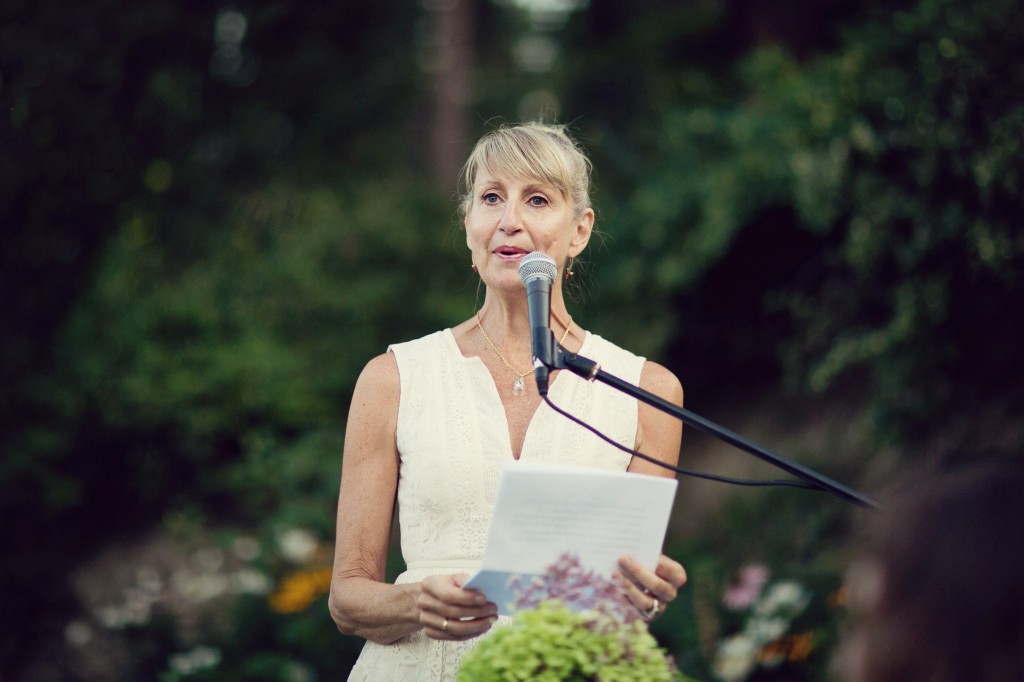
x: 613, y: 357
x: 661, y: 381
x: 408, y: 358
x: 379, y: 374
x: 596, y: 343
x: 424, y: 342
x: 444, y: 343
x: 653, y: 377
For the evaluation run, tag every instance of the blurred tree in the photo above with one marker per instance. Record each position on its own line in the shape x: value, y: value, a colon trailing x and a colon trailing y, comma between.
x: 452, y: 64
x: 862, y: 205
x: 132, y: 135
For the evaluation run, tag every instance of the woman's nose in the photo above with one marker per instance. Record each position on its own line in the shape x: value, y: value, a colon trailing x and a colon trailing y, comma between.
x: 511, y: 221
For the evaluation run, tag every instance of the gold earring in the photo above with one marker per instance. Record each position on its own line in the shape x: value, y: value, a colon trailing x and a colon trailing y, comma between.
x: 473, y: 265
x: 568, y: 268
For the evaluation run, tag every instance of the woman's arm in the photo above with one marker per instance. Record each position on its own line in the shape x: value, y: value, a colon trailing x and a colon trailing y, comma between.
x: 657, y: 435
x: 361, y: 603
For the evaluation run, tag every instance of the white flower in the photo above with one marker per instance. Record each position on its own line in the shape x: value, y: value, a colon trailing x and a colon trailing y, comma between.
x: 786, y: 597
x: 209, y: 559
x: 765, y: 630
x: 148, y: 578
x: 120, y: 616
x: 769, y: 620
x: 297, y: 545
x: 294, y: 671
x: 78, y: 633
x: 112, y: 617
x: 249, y: 581
x: 138, y: 604
x: 199, y: 588
x: 200, y: 658
x: 245, y: 548
x: 735, y: 658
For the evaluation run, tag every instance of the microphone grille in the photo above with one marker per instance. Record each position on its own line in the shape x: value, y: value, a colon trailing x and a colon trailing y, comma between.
x: 537, y: 264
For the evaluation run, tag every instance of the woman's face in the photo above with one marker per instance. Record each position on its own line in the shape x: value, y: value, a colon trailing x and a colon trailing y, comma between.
x: 508, y: 218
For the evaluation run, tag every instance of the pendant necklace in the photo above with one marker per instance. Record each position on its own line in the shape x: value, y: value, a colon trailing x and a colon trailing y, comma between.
x: 518, y: 386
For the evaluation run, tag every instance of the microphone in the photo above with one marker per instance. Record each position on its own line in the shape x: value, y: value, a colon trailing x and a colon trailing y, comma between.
x: 537, y: 271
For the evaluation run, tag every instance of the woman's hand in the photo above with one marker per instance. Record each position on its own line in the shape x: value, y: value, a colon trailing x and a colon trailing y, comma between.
x: 650, y: 592
x: 447, y: 611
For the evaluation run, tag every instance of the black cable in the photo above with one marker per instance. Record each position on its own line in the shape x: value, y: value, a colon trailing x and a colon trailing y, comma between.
x: 686, y: 472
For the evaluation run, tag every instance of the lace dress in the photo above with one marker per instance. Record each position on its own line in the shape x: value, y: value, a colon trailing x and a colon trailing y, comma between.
x: 453, y: 441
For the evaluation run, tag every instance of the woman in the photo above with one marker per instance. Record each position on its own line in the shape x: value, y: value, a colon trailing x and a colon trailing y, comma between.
x: 433, y: 421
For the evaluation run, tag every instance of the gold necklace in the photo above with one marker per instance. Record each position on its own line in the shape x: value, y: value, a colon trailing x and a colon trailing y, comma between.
x: 518, y: 386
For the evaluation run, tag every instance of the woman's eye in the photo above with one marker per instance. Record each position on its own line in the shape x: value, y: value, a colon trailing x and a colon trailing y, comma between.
x: 538, y: 201
x: 490, y: 198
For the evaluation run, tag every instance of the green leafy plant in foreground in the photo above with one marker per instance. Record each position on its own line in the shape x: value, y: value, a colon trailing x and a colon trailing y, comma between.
x: 570, y: 624
x: 553, y: 642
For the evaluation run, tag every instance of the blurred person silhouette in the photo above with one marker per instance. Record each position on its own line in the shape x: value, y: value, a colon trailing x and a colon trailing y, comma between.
x: 938, y: 595
x: 432, y: 422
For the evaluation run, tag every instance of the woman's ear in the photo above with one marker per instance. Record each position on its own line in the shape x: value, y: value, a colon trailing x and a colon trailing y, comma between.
x: 584, y: 228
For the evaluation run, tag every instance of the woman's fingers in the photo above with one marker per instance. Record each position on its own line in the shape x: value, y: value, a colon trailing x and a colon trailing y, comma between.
x: 449, y: 612
x: 650, y: 591
x: 637, y: 594
x: 643, y: 581
x: 672, y: 572
x: 448, y: 589
x: 440, y: 627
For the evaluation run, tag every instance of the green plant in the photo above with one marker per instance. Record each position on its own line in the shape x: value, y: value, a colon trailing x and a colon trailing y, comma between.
x: 554, y: 643
x: 569, y: 624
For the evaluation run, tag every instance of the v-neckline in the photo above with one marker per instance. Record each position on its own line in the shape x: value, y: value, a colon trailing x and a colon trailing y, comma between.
x: 496, y: 397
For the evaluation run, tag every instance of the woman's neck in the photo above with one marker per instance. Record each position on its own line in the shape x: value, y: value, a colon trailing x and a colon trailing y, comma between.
x: 507, y: 318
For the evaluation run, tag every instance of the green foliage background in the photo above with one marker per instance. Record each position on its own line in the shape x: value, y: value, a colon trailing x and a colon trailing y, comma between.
x: 199, y: 261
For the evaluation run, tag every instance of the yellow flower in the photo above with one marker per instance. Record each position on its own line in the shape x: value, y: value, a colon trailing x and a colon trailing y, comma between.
x: 299, y: 589
x: 789, y: 648
x: 773, y: 653
x: 800, y: 646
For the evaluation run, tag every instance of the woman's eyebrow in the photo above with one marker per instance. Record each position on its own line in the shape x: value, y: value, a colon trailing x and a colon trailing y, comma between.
x: 487, y: 184
x: 543, y: 187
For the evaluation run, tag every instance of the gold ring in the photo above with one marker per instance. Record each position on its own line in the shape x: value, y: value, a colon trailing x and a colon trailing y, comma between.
x: 444, y: 625
x: 650, y: 613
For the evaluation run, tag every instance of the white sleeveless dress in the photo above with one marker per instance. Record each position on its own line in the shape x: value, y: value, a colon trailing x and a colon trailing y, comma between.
x: 453, y: 441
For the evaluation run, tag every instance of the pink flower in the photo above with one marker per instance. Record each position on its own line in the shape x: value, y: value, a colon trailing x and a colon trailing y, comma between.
x: 578, y: 588
x: 745, y: 587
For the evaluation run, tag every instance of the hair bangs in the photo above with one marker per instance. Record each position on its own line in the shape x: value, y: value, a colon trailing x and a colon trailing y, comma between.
x: 530, y: 151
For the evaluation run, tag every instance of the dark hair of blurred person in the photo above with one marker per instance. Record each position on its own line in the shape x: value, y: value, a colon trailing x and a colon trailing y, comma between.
x: 938, y: 593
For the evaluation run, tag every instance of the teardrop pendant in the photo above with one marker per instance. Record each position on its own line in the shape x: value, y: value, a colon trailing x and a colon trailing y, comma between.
x: 518, y: 388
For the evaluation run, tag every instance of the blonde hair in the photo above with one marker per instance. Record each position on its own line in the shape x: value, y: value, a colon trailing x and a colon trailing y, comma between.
x: 531, y: 150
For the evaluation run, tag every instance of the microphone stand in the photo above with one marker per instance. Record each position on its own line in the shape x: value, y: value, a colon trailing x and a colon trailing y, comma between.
x: 591, y: 371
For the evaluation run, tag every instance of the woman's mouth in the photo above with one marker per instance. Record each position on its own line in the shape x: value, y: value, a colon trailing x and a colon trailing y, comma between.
x: 510, y: 252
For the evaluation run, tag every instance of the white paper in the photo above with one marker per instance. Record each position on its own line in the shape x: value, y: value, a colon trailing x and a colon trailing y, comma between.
x: 544, y: 511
